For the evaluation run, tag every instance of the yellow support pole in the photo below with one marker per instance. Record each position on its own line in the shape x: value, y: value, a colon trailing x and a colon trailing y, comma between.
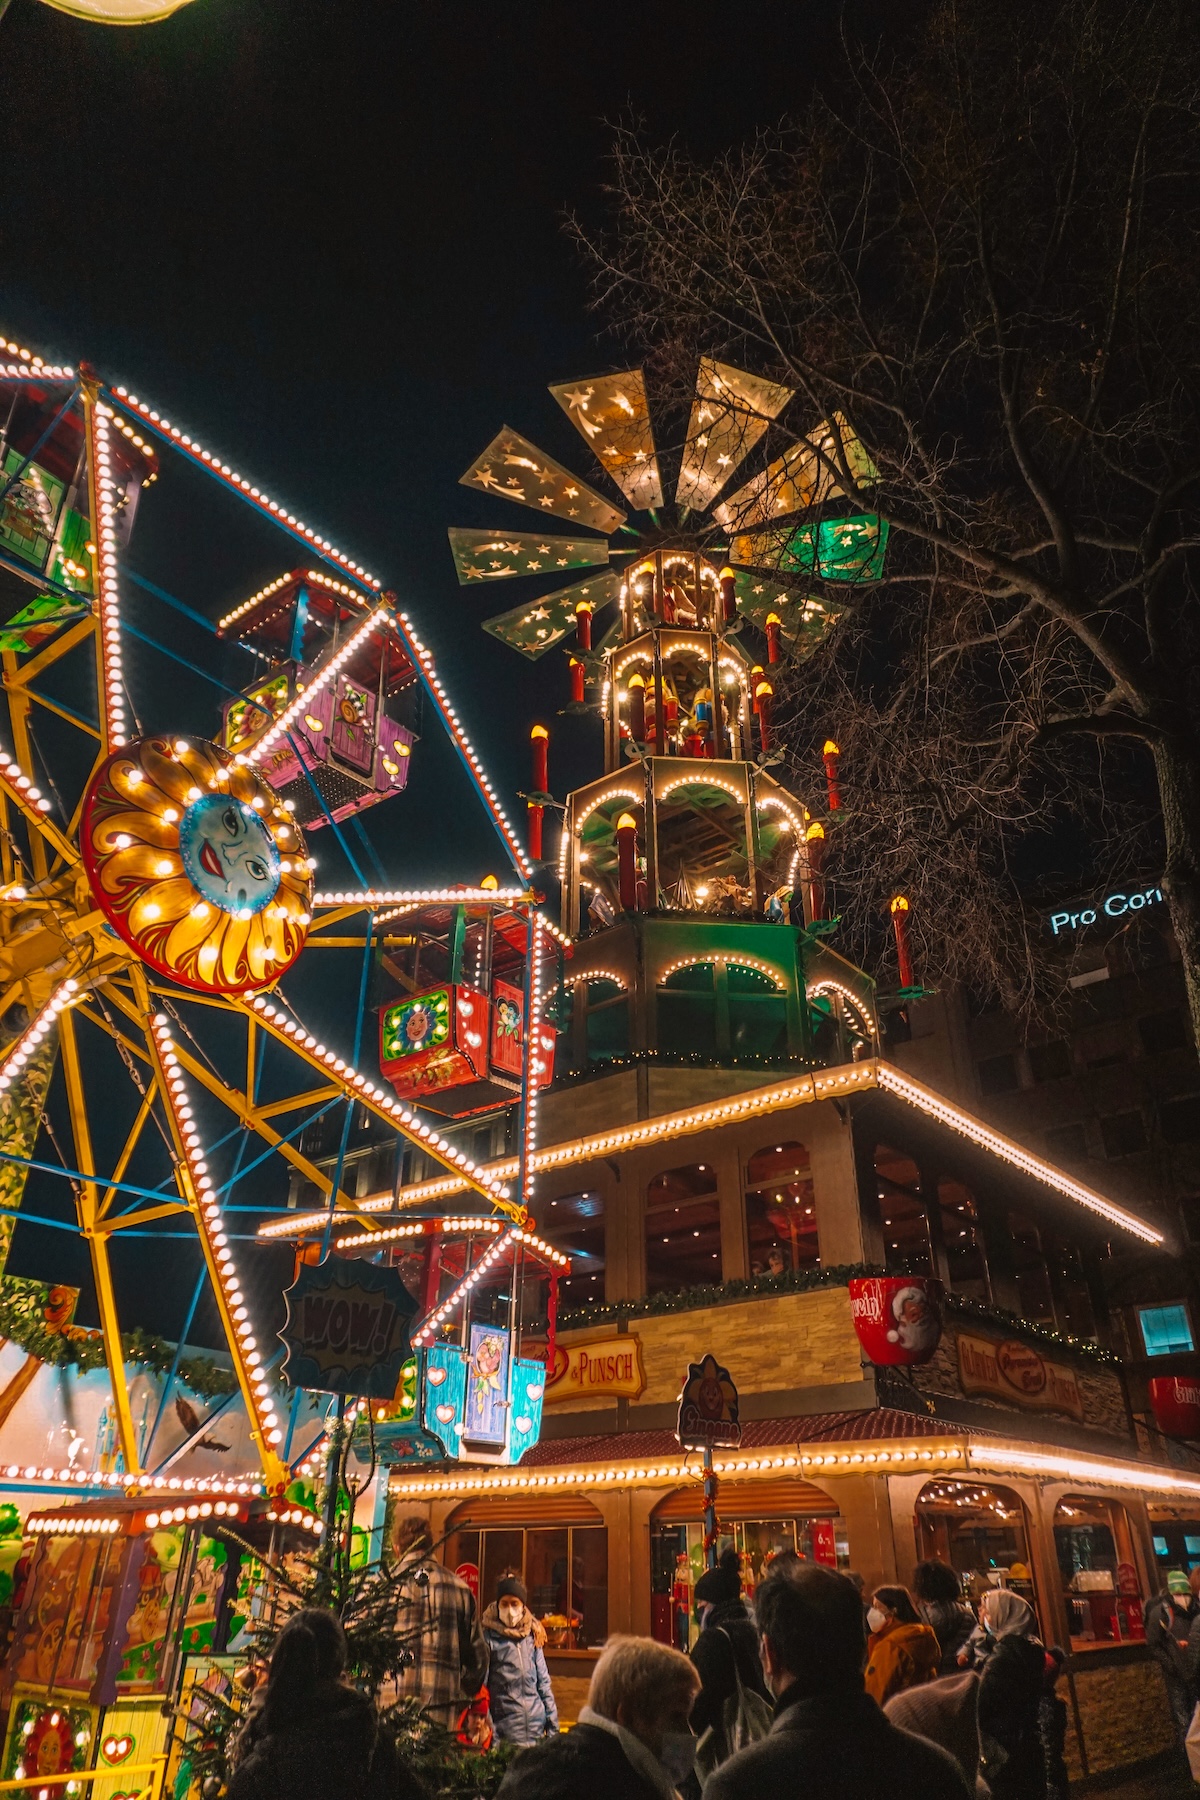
x: 90, y: 1225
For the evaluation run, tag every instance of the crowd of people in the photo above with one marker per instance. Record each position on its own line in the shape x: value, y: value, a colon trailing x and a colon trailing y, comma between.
x: 822, y: 1689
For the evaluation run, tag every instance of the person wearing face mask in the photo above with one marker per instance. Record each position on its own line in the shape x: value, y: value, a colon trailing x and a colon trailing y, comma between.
x: 901, y: 1651
x: 829, y: 1740
x: 633, y: 1740
x: 522, y: 1700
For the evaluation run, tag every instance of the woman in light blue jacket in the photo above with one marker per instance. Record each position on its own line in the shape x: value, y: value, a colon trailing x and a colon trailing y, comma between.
x: 522, y: 1700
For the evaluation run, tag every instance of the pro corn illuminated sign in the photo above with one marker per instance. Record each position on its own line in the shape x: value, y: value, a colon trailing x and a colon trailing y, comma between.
x: 1113, y: 906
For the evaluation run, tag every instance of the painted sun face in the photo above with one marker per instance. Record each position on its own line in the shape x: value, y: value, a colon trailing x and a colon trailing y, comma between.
x: 197, y: 864
x: 229, y: 854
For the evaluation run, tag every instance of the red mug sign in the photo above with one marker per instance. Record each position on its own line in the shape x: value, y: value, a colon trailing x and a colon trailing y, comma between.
x: 1175, y: 1400
x: 898, y: 1318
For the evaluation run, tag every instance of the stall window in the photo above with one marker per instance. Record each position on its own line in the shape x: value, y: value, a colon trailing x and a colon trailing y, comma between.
x: 966, y: 1261
x: 757, y: 1013
x: 1166, y: 1330
x: 1030, y: 1269
x: 564, y: 1568
x: 683, y: 1228
x: 781, y: 1222
x: 687, y: 1012
x: 574, y: 1224
x: 1094, y: 1545
x: 907, y: 1249
x: 677, y: 1562
x: 602, y: 1008
x: 1176, y: 1540
x: 979, y: 1532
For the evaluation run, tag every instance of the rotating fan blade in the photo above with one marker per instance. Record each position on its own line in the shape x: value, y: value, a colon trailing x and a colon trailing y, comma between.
x: 516, y: 469
x: 803, y: 476
x: 731, y: 411
x: 539, y: 624
x: 848, y: 550
x: 806, y: 619
x: 611, y: 412
x: 490, y: 555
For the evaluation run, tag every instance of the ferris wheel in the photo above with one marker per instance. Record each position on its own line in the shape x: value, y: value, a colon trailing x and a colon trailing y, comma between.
x: 157, y: 887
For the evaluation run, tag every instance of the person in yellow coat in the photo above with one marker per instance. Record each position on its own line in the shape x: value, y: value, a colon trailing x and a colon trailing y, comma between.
x: 901, y: 1651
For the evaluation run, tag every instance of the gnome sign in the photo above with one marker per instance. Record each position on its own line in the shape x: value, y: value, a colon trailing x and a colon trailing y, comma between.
x: 898, y: 1318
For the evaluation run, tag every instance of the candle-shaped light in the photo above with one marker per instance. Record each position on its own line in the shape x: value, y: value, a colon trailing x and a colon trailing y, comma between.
x: 831, y: 754
x: 637, y: 708
x: 814, y: 842
x: 900, y: 911
x: 764, y: 694
x: 627, y: 861
x: 774, y: 630
x: 577, y: 674
x: 583, y: 624
x: 539, y: 739
x: 728, y: 595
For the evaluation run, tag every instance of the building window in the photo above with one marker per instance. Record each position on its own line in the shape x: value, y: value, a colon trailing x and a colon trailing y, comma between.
x: 1179, y: 1120
x: 1164, y: 1031
x: 574, y: 1224
x: 998, y: 1074
x: 677, y: 1558
x: 1189, y: 1212
x: 723, y: 1009
x: 905, y: 1221
x: 1124, y: 1134
x: 966, y: 1261
x: 683, y: 1228
x: 1068, y: 1285
x: 1030, y: 1270
x: 1067, y: 1144
x: 1050, y: 1062
x: 687, y: 1012
x: 757, y: 1014
x: 602, y: 1020
x: 1096, y: 1560
x: 781, y: 1222
x: 1166, y: 1330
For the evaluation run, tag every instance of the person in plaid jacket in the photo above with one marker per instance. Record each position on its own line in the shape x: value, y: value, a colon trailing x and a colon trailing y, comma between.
x: 437, y: 1617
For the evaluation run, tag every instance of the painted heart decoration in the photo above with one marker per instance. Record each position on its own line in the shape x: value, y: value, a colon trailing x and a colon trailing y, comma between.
x: 116, y: 1750
x: 444, y: 1413
x: 435, y: 1377
x: 132, y: 1794
x: 523, y: 1424
x: 535, y: 1390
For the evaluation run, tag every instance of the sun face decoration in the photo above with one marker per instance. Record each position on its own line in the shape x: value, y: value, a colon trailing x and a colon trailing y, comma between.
x: 197, y: 864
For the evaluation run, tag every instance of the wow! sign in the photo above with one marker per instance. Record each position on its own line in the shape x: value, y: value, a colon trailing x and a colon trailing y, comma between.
x: 347, y: 1328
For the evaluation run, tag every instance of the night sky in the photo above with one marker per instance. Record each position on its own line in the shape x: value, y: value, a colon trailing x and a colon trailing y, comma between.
x: 327, y: 240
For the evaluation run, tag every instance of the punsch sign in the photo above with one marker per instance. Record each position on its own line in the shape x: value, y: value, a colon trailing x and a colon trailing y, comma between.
x: 347, y: 1328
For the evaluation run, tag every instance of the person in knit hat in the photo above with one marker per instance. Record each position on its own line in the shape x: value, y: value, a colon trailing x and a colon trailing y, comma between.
x: 727, y: 1646
x: 944, y: 1711
x: 523, y: 1708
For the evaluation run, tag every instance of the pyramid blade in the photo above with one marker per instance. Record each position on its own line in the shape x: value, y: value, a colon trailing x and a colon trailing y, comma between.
x: 539, y: 624
x: 491, y: 555
x: 850, y: 549
x: 731, y: 411
x: 806, y: 619
x: 803, y: 476
x: 611, y: 412
x: 517, y: 470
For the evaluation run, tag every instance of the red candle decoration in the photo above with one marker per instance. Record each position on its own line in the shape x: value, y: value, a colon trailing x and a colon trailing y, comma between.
x: 627, y: 861
x: 774, y: 629
x: 900, y: 909
x: 831, y: 754
x: 583, y: 624
x: 728, y: 595
x: 763, y: 696
x: 539, y: 737
x: 577, y: 673
x: 814, y: 839
x: 637, y: 708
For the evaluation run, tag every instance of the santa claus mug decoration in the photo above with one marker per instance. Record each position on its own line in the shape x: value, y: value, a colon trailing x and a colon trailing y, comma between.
x: 897, y: 1318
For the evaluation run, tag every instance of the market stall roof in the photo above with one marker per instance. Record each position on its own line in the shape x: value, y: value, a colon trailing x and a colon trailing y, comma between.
x: 871, y: 1425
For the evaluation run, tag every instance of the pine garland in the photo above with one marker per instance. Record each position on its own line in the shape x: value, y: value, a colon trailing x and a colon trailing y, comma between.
x: 23, y: 1322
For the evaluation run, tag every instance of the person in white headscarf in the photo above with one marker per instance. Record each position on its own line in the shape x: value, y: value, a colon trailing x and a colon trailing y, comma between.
x: 1011, y: 1689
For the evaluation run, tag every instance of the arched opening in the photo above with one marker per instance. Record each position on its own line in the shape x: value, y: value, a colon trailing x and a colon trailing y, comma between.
x: 1094, y: 1543
x: 703, y: 865
x: 683, y: 1228
x: 723, y: 1008
x: 599, y: 1020
x: 906, y: 1243
x: 558, y: 1546
x: 781, y: 1217
x: 600, y: 898
x: 978, y: 1530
